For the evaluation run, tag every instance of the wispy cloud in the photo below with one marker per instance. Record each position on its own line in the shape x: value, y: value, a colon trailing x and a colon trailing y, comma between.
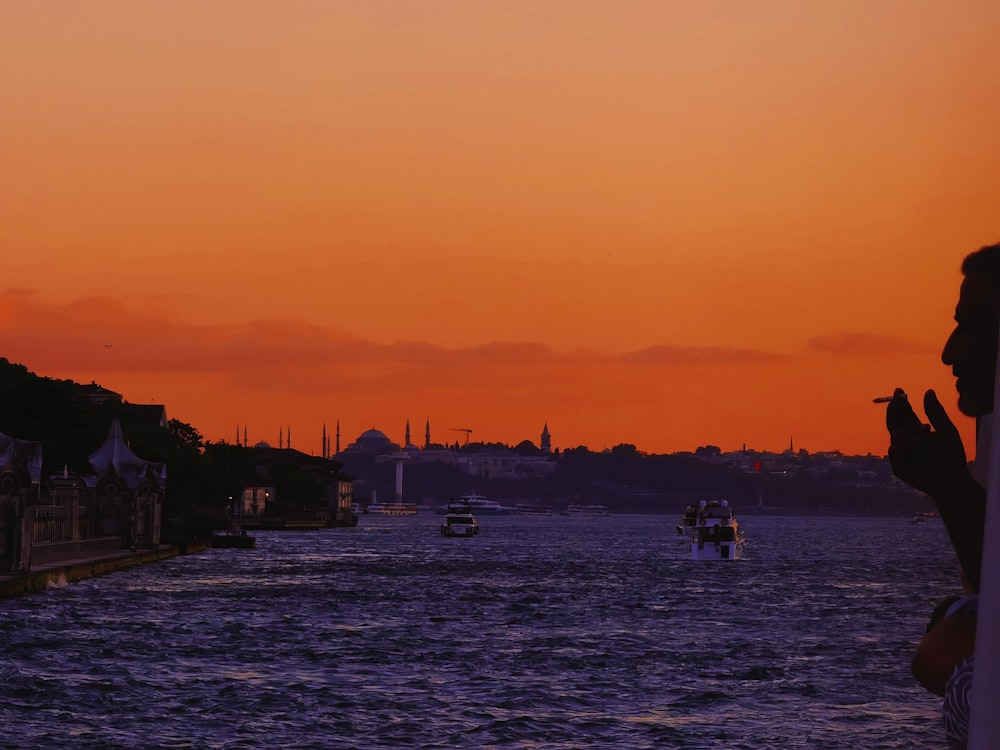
x: 101, y: 335
x: 862, y: 344
x: 701, y: 355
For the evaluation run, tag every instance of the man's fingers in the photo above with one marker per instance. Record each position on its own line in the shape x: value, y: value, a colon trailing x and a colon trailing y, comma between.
x: 937, y: 416
x: 899, y: 415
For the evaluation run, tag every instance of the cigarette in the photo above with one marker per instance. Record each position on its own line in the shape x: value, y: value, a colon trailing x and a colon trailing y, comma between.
x: 882, y: 400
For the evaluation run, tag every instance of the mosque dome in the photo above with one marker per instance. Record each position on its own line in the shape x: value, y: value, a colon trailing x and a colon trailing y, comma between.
x: 374, y: 441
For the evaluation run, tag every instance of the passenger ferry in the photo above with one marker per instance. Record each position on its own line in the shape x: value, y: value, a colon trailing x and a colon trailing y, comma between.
x: 393, y: 509
x: 712, y: 530
x: 531, y: 509
x: 459, y: 521
x: 479, y: 505
x: 587, y: 510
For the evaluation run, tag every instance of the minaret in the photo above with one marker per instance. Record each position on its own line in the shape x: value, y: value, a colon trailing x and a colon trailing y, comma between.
x: 237, y: 435
x: 289, y: 439
x: 281, y: 438
x: 427, y: 435
x: 338, y: 437
x: 546, y: 439
x: 245, y: 444
x: 325, y: 446
x: 407, y: 443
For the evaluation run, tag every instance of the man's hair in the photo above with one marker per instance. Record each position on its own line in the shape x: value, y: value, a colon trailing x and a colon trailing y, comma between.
x: 985, y: 261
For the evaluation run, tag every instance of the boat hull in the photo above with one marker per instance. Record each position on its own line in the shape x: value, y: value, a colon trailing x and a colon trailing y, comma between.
x: 455, y: 530
x: 233, y: 541
x: 716, y: 551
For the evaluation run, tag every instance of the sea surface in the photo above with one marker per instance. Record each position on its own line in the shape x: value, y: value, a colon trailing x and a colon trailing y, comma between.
x: 538, y: 633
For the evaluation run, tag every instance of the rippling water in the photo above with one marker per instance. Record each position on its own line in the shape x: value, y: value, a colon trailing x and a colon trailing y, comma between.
x: 538, y: 633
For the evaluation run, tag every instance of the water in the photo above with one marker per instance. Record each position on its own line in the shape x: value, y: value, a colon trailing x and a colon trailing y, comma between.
x: 538, y: 633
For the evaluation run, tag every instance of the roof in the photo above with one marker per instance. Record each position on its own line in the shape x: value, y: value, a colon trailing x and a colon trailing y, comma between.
x: 28, y: 451
x: 115, y: 454
x: 98, y: 393
x: 152, y: 415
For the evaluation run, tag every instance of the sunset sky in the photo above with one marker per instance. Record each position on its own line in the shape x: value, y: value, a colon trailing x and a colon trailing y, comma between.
x: 663, y: 223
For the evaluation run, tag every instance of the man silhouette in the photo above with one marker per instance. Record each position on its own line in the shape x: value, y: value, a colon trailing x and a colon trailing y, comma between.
x: 932, y: 458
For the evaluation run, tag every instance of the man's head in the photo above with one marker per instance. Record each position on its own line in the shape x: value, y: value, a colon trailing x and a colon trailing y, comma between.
x: 971, y: 350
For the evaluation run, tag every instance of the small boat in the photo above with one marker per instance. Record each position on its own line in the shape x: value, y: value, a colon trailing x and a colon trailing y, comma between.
x: 232, y: 540
x: 712, y: 530
x: 478, y: 505
x: 459, y: 521
x: 923, y: 517
x: 587, y: 510
x: 235, y: 535
x: 392, y: 509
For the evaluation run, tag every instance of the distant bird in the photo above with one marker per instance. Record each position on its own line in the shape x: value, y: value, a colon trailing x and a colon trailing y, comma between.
x: 108, y: 346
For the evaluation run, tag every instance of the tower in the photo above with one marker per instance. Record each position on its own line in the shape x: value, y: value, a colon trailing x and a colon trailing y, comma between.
x: 546, y: 439
x: 338, y: 437
x: 407, y: 443
x: 325, y: 446
x: 427, y: 435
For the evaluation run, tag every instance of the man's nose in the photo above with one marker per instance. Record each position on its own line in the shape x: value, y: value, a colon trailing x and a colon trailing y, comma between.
x: 948, y: 353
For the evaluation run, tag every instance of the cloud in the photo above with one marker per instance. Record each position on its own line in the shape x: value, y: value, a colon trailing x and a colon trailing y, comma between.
x: 700, y: 355
x: 98, y: 335
x: 863, y: 344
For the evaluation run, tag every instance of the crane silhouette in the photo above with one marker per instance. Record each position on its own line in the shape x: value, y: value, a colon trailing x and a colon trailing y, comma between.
x: 466, y: 430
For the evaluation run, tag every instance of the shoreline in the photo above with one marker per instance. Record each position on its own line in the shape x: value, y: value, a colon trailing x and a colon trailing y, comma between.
x: 65, y: 572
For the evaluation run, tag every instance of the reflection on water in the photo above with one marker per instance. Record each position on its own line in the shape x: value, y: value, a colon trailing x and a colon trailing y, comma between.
x: 540, y: 632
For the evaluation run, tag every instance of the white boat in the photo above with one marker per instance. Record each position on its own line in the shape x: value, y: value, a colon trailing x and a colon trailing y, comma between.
x: 459, y: 521
x: 479, y: 505
x: 587, y: 510
x: 712, y: 530
x: 393, y: 509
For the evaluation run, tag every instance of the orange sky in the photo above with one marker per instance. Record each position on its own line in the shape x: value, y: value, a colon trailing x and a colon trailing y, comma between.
x: 669, y: 224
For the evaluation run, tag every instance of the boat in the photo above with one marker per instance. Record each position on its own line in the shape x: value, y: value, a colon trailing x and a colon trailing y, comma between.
x: 478, y: 505
x: 531, y: 509
x: 712, y: 530
x: 231, y: 540
x: 459, y: 520
x: 392, y: 509
x: 923, y: 517
x: 586, y: 510
x: 235, y: 535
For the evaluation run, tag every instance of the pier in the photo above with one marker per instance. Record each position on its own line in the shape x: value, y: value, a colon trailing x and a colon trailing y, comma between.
x: 70, y: 570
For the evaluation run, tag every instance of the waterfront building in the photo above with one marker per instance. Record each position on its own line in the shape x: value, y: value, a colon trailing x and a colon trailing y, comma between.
x: 44, y: 520
x: 20, y: 479
x: 330, y: 490
x: 126, y: 492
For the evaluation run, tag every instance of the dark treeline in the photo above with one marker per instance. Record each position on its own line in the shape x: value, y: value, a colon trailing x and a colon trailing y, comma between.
x: 71, y: 426
x: 205, y: 475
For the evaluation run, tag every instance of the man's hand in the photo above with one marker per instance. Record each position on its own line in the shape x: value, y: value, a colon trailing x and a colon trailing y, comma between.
x: 931, y: 457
